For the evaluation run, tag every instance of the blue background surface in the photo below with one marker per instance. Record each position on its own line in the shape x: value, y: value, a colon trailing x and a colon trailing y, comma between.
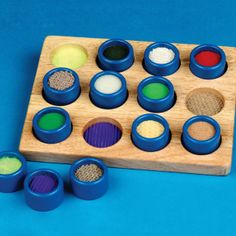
x: 138, y: 202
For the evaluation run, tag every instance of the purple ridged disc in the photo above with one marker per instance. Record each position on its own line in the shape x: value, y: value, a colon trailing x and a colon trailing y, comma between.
x: 102, y: 134
x: 43, y: 184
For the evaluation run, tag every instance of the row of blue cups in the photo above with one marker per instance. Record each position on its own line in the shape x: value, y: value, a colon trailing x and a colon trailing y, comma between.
x: 113, y: 100
x: 146, y: 144
x: 49, y: 201
x: 199, y: 147
x: 169, y: 68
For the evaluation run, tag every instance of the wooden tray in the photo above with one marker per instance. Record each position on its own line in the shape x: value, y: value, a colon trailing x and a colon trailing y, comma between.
x: 174, y: 157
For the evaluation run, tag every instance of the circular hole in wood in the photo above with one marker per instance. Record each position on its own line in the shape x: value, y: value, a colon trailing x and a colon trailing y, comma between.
x: 70, y: 56
x: 102, y: 132
x: 205, y: 101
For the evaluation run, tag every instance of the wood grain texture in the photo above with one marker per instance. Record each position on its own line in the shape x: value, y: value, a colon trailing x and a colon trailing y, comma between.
x: 124, y: 154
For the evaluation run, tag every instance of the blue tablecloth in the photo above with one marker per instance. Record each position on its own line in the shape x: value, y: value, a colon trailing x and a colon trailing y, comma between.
x: 138, y: 202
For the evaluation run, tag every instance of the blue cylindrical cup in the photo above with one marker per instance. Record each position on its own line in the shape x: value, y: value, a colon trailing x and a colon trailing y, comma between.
x: 112, y: 100
x: 56, y: 135
x: 115, y: 65
x: 207, y: 72
x: 161, y: 69
x: 150, y: 144
x: 13, y: 182
x: 156, y: 105
x: 89, y: 190
x: 61, y: 97
x: 44, y: 201
x: 201, y: 146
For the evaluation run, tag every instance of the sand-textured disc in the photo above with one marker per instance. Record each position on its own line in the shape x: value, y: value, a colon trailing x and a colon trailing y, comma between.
x: 61, y: 80
x: 201, y: 130
x: 150, y: 129
x: 205, y: 101
x: 88, y: 173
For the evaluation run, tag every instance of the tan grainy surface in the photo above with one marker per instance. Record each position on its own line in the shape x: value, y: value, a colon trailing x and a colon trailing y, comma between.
x: 205, y: 101
x: 61, y: 80
x: 174, y: 157
x: 201, y: 130
x: 150, y: 129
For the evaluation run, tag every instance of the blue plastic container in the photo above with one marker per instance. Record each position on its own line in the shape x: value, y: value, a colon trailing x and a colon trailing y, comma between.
x: 52, y: 136
x: 150, y: 144
x: 161, y: 69
x: 207, y: 72
x: 61, y: 97
x: 108, y: 101
x: 44, y: 201
x: 201, y: 146
x: 13, y: 182
x: 115, y: 65
x: 156, y: 105
x: 89, y: 190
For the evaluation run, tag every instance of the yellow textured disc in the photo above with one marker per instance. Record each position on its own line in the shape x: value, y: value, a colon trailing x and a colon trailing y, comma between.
x: 150, y: 129
x: 9, y: 165
x: 70, y: 55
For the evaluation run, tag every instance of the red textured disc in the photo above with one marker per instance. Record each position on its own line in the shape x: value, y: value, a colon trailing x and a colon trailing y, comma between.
x: 207, y: 58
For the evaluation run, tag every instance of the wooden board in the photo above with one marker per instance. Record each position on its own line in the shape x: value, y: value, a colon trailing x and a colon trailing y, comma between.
x: 174, y: 157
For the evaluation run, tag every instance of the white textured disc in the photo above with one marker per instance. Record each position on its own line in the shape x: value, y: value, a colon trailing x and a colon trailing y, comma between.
x: 161, y: 55
x: 107, y: 84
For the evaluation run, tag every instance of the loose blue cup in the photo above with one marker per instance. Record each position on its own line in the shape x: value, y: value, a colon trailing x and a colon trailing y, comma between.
x: 207, y: 72
x: 13, y: 182
x: 201, y: 147
x: 150, y: 144
x: 108, y: 101
x: 44, y: 201
x: 61, y: 97
x: 89, y: 190
x: 56, y: 135
x: 156, y: 105
x: 161, y: 69
x: 115, y: 65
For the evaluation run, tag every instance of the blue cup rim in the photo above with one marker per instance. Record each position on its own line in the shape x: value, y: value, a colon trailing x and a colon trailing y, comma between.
x: 109, y: 43
x: 161, y: 44
x: 108, y: 72
x: 53, y: 173
x: 208, y: 47
x: 47, y: 110
x: 17, y: 155
x: 150, y: 116
x: 156, y: 79
x: 84, y: 161
x: 208, y: 119
x: 55, y: 91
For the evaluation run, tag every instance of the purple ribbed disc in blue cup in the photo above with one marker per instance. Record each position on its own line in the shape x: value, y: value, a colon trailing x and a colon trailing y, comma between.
x: 102, y: 134
x: 43, y: 184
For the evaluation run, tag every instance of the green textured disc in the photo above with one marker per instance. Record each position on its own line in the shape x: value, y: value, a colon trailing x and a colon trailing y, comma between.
x: 155, y: 91
x: 51, y: 121
x: 116, y: 52
x: 9, y: 165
